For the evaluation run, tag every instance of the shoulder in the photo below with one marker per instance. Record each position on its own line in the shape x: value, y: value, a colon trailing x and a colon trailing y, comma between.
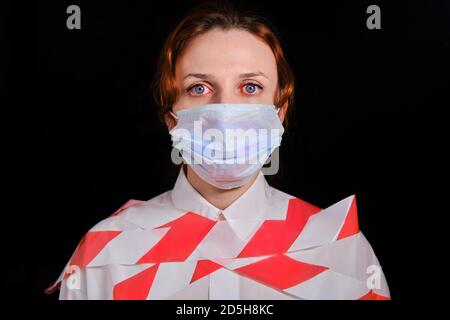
x: 138, y: 214
x: 331, y: 234
x: 135, y: 222
x: 121, y: 238
x: 316, y: 226
x: 281, y: 204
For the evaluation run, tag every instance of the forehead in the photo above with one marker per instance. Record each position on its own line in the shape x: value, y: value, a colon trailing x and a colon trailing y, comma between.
x: 226, y: 52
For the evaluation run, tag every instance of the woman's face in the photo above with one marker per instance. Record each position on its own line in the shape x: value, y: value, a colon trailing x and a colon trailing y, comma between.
x: 230, y: 66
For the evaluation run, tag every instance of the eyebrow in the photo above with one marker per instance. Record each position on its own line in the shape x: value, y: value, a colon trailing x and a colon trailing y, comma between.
x: 205, y: 76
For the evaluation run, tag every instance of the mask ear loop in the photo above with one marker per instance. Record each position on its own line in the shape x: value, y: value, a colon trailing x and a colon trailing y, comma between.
x: 173, y: 115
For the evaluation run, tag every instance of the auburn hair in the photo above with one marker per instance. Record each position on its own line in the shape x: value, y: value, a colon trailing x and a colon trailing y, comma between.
x: 201, y: 19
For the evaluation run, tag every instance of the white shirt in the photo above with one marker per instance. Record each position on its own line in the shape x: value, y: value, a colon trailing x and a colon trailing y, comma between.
x: 271, y: 245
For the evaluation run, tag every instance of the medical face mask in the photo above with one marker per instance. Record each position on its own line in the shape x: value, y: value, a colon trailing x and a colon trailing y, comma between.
x: 226, y: 144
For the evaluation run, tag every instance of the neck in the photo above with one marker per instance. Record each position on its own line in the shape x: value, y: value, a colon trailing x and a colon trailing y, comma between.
x: 219, y: 198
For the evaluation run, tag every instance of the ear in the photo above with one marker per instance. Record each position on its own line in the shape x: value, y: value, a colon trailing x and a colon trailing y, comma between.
x: 170, y: 121
x: 283, y: 111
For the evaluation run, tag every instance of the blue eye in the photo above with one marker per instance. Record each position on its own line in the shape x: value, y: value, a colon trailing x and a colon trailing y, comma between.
x: 199, y: 89
x: 251, y: 88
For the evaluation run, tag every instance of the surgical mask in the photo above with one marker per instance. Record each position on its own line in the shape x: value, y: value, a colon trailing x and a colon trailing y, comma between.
x: 226, y: 144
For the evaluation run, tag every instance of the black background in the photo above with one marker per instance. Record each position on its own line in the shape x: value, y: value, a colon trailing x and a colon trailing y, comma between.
x: 83, y: 136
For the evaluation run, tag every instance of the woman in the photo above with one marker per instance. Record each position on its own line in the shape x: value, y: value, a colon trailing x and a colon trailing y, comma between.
x: 222, y: 232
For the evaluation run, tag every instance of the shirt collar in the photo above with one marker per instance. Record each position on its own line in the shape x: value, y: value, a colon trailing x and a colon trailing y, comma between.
x: 249, y: 206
